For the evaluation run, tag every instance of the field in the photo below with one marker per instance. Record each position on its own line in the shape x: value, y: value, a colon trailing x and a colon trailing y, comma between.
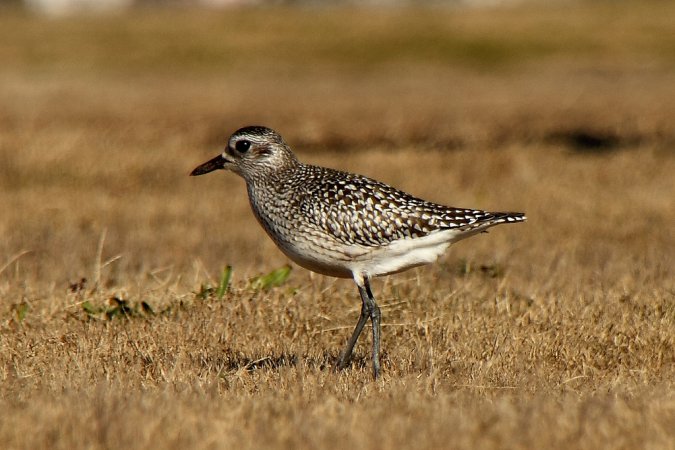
x: 119, y: 327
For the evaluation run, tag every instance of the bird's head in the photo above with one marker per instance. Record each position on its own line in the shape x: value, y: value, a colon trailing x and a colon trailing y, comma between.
x: 251, y: 152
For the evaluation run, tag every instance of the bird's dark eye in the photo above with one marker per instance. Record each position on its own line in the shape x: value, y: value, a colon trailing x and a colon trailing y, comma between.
x: 242, y: 146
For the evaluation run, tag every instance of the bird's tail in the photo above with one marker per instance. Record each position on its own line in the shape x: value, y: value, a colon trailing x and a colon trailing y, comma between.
x: 492, y: 219
x: 506, y: 217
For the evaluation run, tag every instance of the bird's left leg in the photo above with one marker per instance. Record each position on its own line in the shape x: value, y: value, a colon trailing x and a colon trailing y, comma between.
x: 375, y: 317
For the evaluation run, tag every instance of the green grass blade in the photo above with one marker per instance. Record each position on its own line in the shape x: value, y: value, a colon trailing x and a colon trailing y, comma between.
x: 224, y: 282
x: 21, y: 309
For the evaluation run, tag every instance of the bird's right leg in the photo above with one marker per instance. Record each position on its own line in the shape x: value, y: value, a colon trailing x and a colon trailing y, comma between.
x: 347, y: 352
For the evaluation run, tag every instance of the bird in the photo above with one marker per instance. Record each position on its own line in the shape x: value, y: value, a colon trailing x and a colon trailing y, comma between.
x: 342, y: 224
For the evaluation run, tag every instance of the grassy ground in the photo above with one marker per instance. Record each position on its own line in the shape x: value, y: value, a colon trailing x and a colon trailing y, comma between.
x: 558, y: 333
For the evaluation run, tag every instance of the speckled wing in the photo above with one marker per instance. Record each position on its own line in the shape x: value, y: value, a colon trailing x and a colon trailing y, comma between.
x: 359, y: 210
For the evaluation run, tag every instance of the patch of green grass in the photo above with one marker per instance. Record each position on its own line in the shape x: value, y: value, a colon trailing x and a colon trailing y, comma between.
x: 206, y: 291
x: 263, y: 282
x: 275, y: 278
x: 20, y: 309
x: 117, y: 307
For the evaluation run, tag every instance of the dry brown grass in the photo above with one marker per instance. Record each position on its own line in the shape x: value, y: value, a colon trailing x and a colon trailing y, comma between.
x: 559, y: 333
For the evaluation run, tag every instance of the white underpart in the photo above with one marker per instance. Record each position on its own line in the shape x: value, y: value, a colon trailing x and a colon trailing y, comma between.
x: 406, y: 253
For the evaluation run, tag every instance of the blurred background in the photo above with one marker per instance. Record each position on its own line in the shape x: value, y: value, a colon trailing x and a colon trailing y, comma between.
x: 62, y: 7
x: 563, y: 109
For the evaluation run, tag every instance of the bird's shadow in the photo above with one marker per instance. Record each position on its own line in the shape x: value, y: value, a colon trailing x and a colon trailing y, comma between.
x: 233, y: 361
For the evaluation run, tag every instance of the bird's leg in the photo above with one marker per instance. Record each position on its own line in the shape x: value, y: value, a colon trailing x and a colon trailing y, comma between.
x: 368, y: 309
x: 347, y: 352
x: 375, y: 316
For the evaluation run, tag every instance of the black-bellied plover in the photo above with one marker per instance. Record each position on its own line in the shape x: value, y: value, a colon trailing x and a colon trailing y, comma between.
x: 341, y: 224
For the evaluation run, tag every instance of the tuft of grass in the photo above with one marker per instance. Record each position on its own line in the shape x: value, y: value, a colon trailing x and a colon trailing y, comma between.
x: 117, y: 307
x: 206, y: 291
x: 20, y: 309
x: 224, y: 283
x: 275, y: 278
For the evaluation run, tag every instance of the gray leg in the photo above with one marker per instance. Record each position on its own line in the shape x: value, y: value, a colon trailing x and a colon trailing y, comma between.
x: 347, y: 352
x: 375, y: 316
x: 368, y: 309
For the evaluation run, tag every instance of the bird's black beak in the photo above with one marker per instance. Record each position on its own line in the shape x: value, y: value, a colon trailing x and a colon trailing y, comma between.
x: 216, y: 163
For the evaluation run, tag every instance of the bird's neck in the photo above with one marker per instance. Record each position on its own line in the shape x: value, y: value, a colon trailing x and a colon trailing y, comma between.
x: 275, y: 181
